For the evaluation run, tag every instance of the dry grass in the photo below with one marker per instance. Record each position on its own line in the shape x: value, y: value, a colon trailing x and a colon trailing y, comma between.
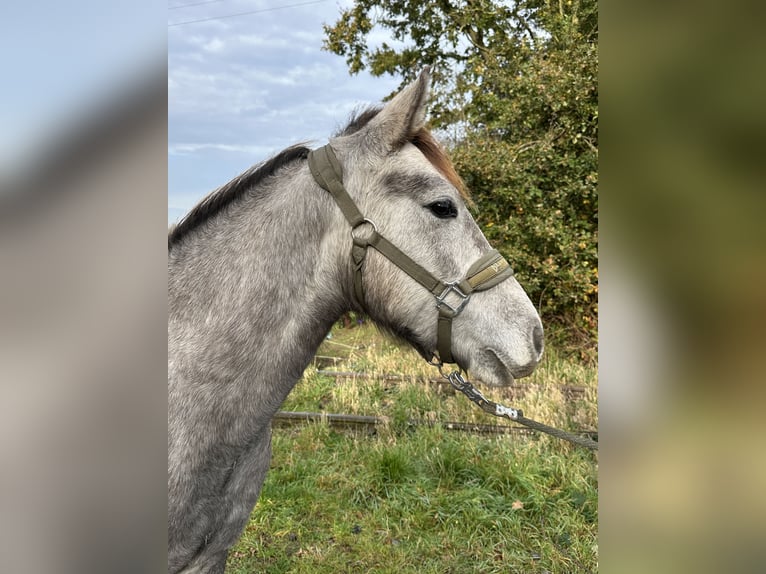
x: 546, y: 395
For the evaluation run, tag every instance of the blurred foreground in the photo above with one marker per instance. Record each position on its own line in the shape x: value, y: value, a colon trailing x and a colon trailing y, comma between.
x: 682, y: 290
x: 82, y: 290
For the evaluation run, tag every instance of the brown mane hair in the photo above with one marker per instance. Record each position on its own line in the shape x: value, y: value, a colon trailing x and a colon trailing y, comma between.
x: 434, y: 152
x: 424, y: 140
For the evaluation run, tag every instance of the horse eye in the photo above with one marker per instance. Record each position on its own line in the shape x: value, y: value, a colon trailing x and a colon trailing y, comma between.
x: 443, y: 209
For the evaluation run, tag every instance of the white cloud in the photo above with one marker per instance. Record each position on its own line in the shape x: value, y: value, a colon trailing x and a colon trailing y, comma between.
x: 214, y: 45
x: 243, y: 88
x: 191, y: 148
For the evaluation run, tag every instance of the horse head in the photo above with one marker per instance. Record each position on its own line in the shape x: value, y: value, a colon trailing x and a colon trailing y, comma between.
x: 418, y: 259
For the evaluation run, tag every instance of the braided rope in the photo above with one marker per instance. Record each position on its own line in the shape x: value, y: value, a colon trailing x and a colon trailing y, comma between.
x: 558, y: 433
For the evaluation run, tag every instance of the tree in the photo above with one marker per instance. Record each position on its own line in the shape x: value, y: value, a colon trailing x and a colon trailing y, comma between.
x: 516, y: 94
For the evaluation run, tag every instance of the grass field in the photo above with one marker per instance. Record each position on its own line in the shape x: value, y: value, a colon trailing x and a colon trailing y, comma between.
x: 423, y: 499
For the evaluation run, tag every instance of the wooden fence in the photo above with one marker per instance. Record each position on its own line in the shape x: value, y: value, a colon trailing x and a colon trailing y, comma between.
x: 370, y: 423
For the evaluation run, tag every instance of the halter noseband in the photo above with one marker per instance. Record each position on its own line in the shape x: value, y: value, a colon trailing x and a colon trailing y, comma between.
x: 489, y: 270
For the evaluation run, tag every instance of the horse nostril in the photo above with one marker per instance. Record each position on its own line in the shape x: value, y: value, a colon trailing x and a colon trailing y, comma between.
x: 537, y: 340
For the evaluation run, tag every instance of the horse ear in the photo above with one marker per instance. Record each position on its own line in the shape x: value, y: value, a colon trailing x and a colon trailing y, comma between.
x: 403, y: 116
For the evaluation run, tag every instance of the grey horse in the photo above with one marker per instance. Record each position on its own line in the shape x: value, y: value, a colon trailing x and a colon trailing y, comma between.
x: 260, y: 270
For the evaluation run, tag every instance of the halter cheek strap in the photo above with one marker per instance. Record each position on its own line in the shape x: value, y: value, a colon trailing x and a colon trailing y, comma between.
x: 489, y: 270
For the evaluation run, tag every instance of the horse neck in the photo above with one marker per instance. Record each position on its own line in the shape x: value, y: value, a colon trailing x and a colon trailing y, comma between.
x: 252, y: 296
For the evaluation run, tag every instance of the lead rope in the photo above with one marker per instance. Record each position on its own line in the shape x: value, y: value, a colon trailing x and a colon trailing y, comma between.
x: 460, y: 384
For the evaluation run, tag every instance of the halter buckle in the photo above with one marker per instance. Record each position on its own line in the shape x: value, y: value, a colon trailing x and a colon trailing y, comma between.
x: 441, y: 300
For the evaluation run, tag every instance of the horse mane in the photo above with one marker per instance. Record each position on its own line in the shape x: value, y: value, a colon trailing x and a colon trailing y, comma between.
x: 434, y: 152
x: 225, y: 195
x: 219, y: 199
x: 422, y: 139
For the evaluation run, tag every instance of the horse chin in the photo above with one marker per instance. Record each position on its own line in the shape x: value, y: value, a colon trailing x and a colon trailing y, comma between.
x: 491, y: 369
x: 495, y: 369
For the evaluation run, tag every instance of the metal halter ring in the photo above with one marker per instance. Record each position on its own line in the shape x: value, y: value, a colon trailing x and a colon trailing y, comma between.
x: 364, y: 221
x: 441, y: 300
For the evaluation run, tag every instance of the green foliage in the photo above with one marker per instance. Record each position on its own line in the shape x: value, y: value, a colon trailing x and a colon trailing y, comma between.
x: 516, y: 93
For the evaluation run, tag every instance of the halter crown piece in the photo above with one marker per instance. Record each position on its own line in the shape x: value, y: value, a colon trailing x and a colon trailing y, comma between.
x: 451, y: 297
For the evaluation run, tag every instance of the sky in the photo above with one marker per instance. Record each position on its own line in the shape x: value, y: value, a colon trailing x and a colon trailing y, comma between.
x: 242, y: 88
x: 62, y: 60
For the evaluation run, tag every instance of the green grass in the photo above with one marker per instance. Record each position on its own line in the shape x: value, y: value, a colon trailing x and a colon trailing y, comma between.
x: 424, y: 500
